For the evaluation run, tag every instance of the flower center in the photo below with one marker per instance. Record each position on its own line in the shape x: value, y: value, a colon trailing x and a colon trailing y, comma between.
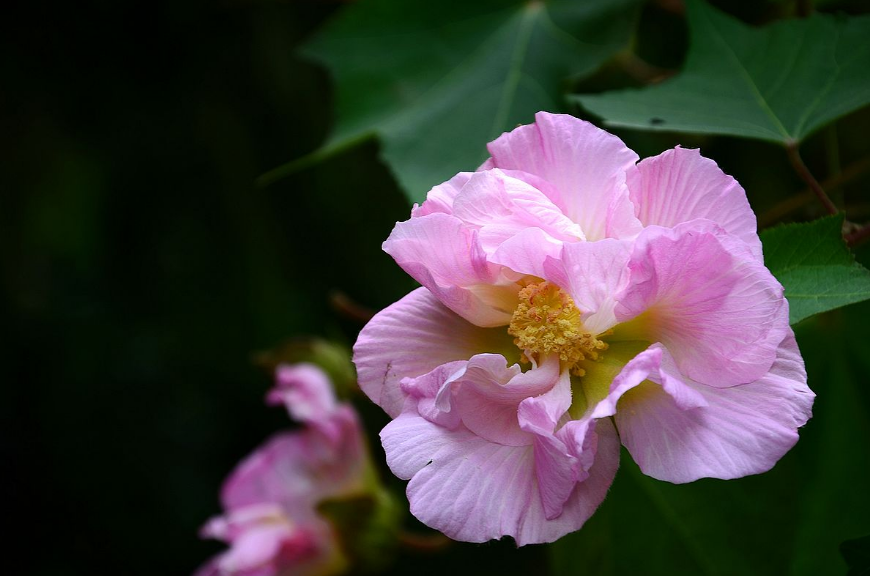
x: 547, y: 322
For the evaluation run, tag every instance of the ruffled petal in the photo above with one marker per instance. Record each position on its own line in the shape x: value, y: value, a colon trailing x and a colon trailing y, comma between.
x: 584, y: 163
x: 433, y: 395
x: 490, y: 392
x: 527, y: 252
x: 700, y: 292
x: 593, y: 273
x: 501, y: 206
x: 475, y: 490
x: 680, y: 185
x: 445, y: 256
x: 741, y: 430
x: 297, y: 469
x: 440, y: 198
x: 305, y: 390
x: 413, y: 337
x: 587, y: 495
x: 643, y: 366
x: 256, y: 548
x: 556, y: 468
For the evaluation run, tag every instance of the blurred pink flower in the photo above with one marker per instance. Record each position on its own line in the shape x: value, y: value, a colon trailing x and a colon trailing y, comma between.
x: 634, y: 294
x: 270, y: 500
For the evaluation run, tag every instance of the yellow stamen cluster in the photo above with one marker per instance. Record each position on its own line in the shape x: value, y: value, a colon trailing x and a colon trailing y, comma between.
x: 547, y: 322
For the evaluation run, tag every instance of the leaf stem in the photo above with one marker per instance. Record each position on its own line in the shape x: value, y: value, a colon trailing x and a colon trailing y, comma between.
x: 798, y: 164
x: 792, y: 203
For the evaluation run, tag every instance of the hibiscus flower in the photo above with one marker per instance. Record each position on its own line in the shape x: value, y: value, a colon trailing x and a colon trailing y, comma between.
x: 271, y: 519
x: 574, y: 299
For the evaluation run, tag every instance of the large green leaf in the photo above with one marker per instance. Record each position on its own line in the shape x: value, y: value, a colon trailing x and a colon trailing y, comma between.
x: 777, y: 83
x: 435, y: 81
x: 815, y: 266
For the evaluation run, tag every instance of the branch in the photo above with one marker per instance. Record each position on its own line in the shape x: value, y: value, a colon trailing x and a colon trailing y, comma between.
x: 798, y: 164
x: 788, y: 205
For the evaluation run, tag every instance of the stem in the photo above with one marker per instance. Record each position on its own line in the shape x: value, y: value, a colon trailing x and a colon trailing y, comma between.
x: 807, y: 176
x: 780, y: 209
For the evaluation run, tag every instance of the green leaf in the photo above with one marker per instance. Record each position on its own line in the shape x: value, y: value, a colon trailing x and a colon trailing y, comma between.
x: 834, y: 458
x: 435, y: 81
x: 708, y: 527
x: 777, y: 83
x: 815, y: 266
x: 857, y: 555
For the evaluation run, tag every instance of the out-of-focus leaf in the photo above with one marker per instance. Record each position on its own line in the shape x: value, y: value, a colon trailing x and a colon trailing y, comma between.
x: 815, y: 266
x: 435, y: 81
x: 777, y: 83
x: 833, y: 506
x: 857, y: 555
x: 708, y: 527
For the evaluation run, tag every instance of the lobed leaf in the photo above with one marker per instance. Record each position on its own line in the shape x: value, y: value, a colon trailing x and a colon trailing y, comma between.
x: 435, y: 81
x: 779, y: 82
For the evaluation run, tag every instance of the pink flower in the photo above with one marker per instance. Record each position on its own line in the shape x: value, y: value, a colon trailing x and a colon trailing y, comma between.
x: 270, y: 500
x: 567, y: 289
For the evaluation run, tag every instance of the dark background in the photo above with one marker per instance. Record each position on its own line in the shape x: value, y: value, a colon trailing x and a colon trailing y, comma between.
x: 142, y: 269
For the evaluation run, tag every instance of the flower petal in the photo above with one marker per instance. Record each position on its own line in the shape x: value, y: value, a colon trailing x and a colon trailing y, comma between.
x: 433, y: 395
x: 718, y: 310
x: 680, y: 185
x: 440, y: 198
x: 296, y: 469
x: 305, y: 390
x: 556, y: 468
x: 593, y: 273
x: 501, y: 206
x: 742, y: 430
x: 475, y: 490
x: 586, y: 164
x: 413, y: 337
x: 445, y: 256
x: 256, y: 548
x: 490, y: 392
x: 527, y: 252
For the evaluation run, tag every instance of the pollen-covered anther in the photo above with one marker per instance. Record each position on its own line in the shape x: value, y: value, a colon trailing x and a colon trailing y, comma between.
x: 547, y: 322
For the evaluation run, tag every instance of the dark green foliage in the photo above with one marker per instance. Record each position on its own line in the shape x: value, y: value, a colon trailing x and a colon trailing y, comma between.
x: 437, y: 82
x: 815, y: 266
x: 779, y: 83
